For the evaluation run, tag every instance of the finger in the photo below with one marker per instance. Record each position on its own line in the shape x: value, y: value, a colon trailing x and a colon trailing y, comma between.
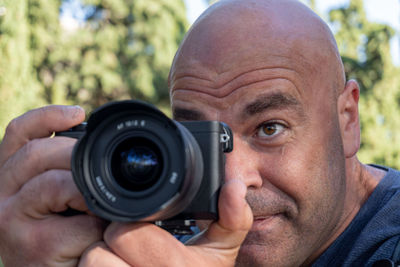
x: 63, y: 238
x: 37, y: 203
x: 100, y: 255
x: 75, y: 232
x: 53, y: 191
x: 34, y: 158
x: 38, y: 123
x: 60, y: 239
x: 223, y: 238
x: 235, y: 217
x: 144, y: 244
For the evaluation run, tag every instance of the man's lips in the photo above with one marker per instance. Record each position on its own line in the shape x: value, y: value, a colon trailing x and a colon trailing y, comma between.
x: 270, y: 209
x: 266, y: 222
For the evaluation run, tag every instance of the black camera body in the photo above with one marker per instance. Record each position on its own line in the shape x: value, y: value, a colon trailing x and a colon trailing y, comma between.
x: 133, y: 163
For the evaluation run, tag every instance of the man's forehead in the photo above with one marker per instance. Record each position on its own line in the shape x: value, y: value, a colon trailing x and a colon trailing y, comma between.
x: 253, y: 78
x: 258, y: 102
x: 228, y: 36
x: 218, y: 45
x: 229, y: 23
x: 228, y: 43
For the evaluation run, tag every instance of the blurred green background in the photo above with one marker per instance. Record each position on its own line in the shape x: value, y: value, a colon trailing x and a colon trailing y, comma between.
x: 88, y: 52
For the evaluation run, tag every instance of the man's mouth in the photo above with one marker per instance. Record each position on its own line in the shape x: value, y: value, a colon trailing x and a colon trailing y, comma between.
x: 266, y: 222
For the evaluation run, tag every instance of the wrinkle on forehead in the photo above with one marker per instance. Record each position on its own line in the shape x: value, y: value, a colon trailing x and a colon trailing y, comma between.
x: 227, y: 86
x: 259, y: 91
x: 234, y: 32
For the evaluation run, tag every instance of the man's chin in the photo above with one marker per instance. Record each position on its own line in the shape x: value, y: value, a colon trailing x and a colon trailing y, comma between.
x: 265, y: 244
x: 250, y: 255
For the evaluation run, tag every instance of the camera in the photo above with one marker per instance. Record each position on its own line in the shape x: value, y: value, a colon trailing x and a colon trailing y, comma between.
x: 133, y: 163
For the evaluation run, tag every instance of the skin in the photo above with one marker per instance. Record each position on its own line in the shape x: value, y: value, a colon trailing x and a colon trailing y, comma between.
x: 294, y: 118
x: 36, y: 185
x: 144, y: 244
x: 270, y: 70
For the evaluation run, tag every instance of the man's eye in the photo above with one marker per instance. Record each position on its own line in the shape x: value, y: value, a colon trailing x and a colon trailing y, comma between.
x: 270, y: 129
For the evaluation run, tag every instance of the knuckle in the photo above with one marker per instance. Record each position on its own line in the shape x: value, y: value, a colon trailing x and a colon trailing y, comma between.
x: 93, y: 255
x: 55, y: 181
x: 16, y: 233
x: 36, y: 237
x: 13, y: 127
x: 45, y: 239
x: 117, y: 234
x: 32, y: 150
x: 112, y: 234
x: 47, y: 186
x: 53, y: 177
x: 6, y: 217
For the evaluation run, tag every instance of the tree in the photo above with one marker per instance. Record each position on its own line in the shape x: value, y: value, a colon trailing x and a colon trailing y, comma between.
x: 122, y: 50
x: 44, y: 39
x: 19, y: 89
x: 365, y: 51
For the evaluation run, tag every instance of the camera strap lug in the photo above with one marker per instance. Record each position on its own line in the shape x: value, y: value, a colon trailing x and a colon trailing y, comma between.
x: 226, y: 138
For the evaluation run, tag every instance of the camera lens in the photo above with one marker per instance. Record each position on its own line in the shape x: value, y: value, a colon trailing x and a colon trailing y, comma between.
x: 136, y: 164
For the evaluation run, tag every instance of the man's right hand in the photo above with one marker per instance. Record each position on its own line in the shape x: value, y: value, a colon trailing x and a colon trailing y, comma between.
x: 35, y: 186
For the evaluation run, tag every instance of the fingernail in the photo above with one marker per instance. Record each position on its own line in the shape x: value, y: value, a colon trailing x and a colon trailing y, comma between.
x: 234, y: 180
x: 73, y: 111
x: 242, y: 185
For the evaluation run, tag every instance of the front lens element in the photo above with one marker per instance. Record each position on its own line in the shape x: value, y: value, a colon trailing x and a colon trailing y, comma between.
x: 136, y: 164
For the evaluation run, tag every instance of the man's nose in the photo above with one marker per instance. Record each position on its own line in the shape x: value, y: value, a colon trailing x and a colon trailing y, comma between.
x: 243, y: 163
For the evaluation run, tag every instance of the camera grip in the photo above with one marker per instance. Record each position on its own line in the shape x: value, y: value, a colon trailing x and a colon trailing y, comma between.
x: 75, y: 132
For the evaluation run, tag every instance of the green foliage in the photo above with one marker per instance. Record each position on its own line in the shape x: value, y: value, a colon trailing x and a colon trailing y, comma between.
x: 312, y: 4
x: 123, y: 49
x: 19, y: 89
x: 45, y: 32
x: 365, y: 51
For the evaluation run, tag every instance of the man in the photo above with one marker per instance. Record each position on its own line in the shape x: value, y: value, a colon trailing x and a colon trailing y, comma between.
x: 270, y: 70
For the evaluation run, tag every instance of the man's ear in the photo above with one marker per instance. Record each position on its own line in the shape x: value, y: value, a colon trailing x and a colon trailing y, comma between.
x: 349, y: 118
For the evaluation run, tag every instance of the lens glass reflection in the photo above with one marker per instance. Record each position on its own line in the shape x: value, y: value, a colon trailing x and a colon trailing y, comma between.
x: 136, y: 164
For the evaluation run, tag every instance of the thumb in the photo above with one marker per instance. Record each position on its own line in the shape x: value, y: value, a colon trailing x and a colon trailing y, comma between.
x: 235, y: 220
x: 144, y: 244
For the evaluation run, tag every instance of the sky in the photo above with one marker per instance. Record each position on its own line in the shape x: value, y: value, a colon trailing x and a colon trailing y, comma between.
x: 384, y: 11
x: 378, y: 10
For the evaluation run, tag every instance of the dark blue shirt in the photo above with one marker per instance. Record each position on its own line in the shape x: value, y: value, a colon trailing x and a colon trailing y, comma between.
x: 375, y: 231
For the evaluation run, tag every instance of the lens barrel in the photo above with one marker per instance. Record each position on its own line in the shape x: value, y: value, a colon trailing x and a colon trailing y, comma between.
x: 134, y: 163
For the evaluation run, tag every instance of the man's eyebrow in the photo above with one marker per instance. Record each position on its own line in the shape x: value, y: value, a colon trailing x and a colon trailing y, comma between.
x: 183, y: 114
x: 274, y: 101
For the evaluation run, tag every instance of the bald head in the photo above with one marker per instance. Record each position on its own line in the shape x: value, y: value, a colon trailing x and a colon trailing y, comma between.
x: 284, y: 32
x: 270, y: 69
